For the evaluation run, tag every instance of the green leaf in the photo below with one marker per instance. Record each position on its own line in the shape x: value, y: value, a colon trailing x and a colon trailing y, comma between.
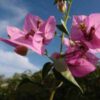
x: 61, y: 67
x: 46, y: 69
x: 62, y: 27
x: 58, y: 75
x: 68, y: 75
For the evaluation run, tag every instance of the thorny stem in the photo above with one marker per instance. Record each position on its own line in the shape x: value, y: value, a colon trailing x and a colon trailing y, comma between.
x: 65, y: 19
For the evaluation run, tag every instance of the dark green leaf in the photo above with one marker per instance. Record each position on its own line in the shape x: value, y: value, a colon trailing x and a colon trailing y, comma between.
x: 62, y: 27
x: 46, y: 68
x: 57, y: 75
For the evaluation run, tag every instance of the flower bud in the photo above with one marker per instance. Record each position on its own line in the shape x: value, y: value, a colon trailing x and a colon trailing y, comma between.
x: 61, y: 5
x: 21, y: 50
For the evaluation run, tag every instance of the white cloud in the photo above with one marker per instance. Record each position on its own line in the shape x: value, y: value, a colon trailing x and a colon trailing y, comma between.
x: 11, y: 63
x: 3, y: 25
x: 16, y: 13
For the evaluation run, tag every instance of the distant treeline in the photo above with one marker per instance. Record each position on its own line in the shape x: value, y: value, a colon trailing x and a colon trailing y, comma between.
x: 29, y: 86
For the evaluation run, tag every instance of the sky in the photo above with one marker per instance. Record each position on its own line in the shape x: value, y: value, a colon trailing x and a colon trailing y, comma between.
x: 13, y: 12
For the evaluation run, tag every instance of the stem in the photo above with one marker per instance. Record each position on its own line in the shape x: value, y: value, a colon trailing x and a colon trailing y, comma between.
x: 49, y: 57
x: 61, y: 45
x: 65, y: 19
x: 67, y: 12
x: 52, y: 95
x: 54, y: 91
x: 46, y: 54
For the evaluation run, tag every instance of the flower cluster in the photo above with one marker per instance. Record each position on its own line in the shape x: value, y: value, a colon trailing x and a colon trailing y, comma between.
x: 82, y: 44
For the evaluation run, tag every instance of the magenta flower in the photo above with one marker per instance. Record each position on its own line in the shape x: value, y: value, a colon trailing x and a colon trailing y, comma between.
x: 35, y: 35
x: 79, y: 61
x: 87, y: 30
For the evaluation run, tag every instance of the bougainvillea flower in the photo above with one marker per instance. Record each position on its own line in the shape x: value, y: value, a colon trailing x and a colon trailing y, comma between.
x: 78, y: 60
x: 35, y: 35
x: 87, y: 29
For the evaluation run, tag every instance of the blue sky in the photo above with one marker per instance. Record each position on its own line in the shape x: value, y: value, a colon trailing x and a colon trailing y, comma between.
x: 13, y: 12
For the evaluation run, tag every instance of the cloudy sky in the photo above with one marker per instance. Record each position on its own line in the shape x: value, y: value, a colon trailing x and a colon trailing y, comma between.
x: 13, y: 12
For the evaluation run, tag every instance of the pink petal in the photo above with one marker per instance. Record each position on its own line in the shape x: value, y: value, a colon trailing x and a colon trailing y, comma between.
x: 94, y: 51
x: 31, y: 23
x: 66, y: 42
x: 94, y: 43
x: 8, y: 42
x: 78, y: 19
x: 97, y: 32
x: 38, y: 44
x: 23, y: 42
x: 76, y: 33
x: 92, y: 58
x: 14, y: 32
x: 93, y: 20
x: 50, y: 27
x: 82, y: 68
